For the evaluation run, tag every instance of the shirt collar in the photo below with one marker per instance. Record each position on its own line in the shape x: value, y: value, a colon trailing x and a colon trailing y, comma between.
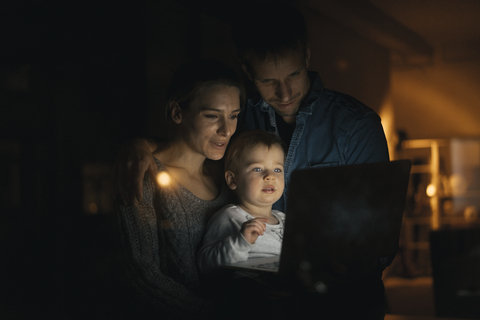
x: 316, y: 87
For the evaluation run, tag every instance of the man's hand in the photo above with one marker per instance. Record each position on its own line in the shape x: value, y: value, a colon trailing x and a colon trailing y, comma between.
x: 251, y: 229
x: 134, y: 159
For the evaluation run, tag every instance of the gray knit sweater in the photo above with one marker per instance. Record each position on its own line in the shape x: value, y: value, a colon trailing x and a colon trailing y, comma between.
x: 161, y: 237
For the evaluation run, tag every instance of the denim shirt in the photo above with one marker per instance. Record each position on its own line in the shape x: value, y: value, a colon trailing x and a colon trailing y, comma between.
x: 331, y: 129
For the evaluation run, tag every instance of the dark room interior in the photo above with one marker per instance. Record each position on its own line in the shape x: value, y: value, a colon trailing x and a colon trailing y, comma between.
x: 79, y: 78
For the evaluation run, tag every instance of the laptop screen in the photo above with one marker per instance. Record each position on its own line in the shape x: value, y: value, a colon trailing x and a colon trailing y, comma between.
x: 350, y: 214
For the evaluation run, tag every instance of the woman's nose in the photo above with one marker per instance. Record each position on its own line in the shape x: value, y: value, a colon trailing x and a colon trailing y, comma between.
x: 226, y: 128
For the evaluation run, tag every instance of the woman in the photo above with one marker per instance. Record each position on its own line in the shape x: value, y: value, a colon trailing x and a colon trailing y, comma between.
x: 162, y: 234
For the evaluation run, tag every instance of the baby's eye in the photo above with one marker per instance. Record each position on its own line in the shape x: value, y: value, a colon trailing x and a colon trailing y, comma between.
x: 257, y: 169
x: 277, y: 170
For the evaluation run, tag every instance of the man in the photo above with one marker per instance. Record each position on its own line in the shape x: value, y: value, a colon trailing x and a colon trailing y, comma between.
x: 320, y: 127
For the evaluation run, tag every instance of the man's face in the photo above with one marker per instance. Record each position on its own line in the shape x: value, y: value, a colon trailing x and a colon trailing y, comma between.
x: 283, y: 82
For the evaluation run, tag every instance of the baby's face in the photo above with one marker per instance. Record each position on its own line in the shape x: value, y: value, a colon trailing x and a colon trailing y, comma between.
x: 259, y: 179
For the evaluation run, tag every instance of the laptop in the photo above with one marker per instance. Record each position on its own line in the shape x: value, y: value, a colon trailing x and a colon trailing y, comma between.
x: 344, y: 214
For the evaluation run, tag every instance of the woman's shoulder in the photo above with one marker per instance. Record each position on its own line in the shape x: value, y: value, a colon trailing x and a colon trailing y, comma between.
x: 160, y: 165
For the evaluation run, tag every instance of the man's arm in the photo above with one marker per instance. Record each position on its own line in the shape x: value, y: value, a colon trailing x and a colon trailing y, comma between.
x: 367, y: 142
x: 133, y: 161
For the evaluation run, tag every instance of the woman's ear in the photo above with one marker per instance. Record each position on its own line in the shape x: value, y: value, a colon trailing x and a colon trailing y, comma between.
x: 230, y: 178
x: 175, y: 112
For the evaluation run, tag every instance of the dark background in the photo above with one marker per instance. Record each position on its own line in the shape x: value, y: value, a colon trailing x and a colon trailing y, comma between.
x: 73, y: 88
x: 77, y: 79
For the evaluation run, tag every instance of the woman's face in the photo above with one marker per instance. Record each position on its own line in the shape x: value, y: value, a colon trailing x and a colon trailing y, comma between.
x: 211, y: 120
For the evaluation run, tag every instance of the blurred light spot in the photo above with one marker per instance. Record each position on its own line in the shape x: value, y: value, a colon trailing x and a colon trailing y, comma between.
x: 458, y: 184
x: 431, y: 190
x: 470, y: 213
x: 305, y: 266
x: 448, y: 207
x: 163, y: 178
x: 342, y: 65
x: 321, y: 287
x: 93, y: 208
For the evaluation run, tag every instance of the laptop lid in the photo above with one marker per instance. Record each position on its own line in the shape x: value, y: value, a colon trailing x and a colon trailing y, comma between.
x: 346, y: 214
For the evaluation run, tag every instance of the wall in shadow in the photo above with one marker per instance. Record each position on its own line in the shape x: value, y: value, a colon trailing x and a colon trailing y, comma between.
x: 77, y: 79
x: 70, y: 73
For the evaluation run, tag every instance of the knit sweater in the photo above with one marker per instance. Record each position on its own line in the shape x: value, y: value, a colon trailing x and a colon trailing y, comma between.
x: 160, y: 239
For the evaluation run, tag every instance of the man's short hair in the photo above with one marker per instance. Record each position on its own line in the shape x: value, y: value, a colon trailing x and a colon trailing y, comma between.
x: 246, y: 141
x: 271, y: 28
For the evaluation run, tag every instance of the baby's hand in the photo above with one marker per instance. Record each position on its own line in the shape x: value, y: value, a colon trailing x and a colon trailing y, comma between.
x: 251, y: 229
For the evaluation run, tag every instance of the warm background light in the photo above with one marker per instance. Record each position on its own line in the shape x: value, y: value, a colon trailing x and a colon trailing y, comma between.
x: 93, y: 208
x: 431, y: 190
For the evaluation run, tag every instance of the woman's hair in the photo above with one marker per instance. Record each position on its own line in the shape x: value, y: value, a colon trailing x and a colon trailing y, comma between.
x: 189, y: 80
x: 246, y: 141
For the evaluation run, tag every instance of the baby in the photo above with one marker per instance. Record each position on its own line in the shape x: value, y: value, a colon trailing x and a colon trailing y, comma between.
x: 250, y: 229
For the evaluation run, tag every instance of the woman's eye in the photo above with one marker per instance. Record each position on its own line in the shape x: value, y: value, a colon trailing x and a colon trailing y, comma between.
x: 234, y: 117
x: 211, y: 116
x: 266, y: 81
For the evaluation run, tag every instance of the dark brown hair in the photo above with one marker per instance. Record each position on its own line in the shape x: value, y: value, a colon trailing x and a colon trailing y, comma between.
x: 191, y: 78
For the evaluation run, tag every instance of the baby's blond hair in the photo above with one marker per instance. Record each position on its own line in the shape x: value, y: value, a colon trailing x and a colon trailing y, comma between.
x: 246, y: 141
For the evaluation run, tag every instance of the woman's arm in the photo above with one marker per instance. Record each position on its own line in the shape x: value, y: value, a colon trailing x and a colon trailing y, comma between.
x: 145, y: 261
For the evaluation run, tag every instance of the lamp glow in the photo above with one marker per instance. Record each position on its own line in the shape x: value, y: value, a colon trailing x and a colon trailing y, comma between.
x: 93, y: 208
x: 431, y: 190
x: 163, y: 178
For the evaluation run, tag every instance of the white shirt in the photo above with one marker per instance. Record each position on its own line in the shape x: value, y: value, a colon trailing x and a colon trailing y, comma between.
x: 224, y: 243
